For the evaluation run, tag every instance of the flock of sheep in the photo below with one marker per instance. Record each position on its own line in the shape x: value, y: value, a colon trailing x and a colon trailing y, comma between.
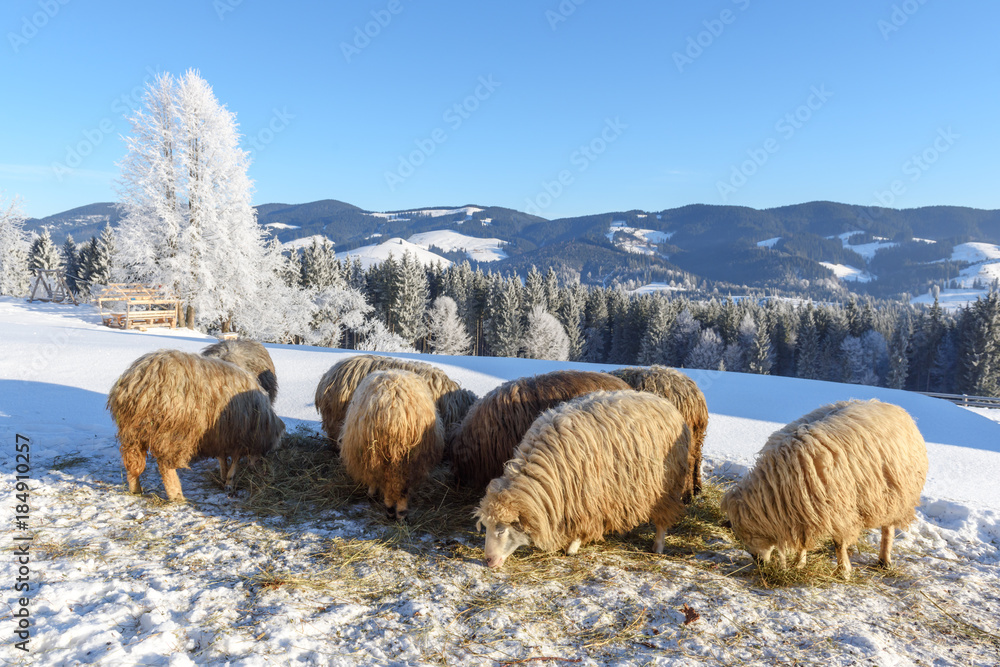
x: 563, y: 458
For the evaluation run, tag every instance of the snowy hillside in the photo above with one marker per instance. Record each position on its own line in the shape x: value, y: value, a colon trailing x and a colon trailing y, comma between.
x: 635, y: 240
x: 480, y: 250
x: 974, y: 280
x: 120, y: 579
x: 373, y: 254
x: 845, y: 272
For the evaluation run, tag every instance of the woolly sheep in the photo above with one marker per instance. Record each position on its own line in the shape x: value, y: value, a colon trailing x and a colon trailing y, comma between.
x: 338, y: 384
x: 392, y: 436
x: 495, y: 424
x: 839, y: 470
x: 604, y: 462
x: 252, y: 357
x: 682, y: 391
x: 180, y: 407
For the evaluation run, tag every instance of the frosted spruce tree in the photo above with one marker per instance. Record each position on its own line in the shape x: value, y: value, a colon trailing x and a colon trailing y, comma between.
x: 544, y: 336
x: 445, y: 330
x: 187, y: 220
x: 14, y: 245
x: 44, y: 253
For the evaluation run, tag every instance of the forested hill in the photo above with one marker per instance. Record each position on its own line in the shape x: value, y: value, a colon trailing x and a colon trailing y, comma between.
x: 812, y: 248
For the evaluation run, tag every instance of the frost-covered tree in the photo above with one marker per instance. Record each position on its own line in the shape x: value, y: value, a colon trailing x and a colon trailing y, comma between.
x: 571, y: 304
x: 409, y: 306
x: 187, y: 220
x: 503, y: 318
x: 445, y: 330
x: 534, y: 290
x: 707, y: 352
x: 337, y: 310
x: 14, y: 247
x: 685, y: 335
x: 760, y: 357
x: 375, y: 337
x: 979, y: 346
x: 44, y: 253
x: 596, y: 333
x: 71, y: 262
x: 807, y: 347
x: 654, y: 347
x: 544, y: 336
x: 898, y: 353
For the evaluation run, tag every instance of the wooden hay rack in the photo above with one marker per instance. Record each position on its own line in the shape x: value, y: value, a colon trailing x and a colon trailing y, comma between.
x: 136, y: 306
x: 50, y: 285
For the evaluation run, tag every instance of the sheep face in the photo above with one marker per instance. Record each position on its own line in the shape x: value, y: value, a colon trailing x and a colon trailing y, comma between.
x: 503, y: 539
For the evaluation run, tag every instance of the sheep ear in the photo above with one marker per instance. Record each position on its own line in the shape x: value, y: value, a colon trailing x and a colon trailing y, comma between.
x: 516, y: 525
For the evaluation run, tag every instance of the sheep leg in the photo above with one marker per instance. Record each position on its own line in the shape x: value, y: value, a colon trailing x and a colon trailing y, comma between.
x: 402, y: 511
x: 171, y: 483
x: 885, y: 552
x: 223, y: 467
x: 781, y: 559
x: 661, y: 532
x: 801, y: 561
x: 231, y: 475
x: 573, y: 547
x: 843, y: 562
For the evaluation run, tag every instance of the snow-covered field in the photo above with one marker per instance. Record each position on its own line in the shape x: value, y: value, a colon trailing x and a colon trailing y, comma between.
x: 481, y: 250
x: 846, y: 272
x: 125, y: 580
x: 635, y: 240
x: 866, y: 250
x: 376, y: 254
x: 984, y: 268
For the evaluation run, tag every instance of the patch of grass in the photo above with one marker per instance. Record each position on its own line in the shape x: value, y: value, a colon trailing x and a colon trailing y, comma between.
x: 64, y: 461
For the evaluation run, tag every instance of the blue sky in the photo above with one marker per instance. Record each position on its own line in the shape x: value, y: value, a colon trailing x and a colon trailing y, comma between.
x: 562, y: 108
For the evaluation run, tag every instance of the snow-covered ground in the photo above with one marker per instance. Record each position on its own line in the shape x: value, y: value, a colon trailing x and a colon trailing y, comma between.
x: 846, y: 272
x: 634, y: 240
x: 866, y: 250
x: 124, y: 580
x: 432, y: 212
x: 375, y: 254
x: 304, y: 242
x: 481, y: 250
x: 652, y: 288
x: 984, y: 269
x: 768, y: 243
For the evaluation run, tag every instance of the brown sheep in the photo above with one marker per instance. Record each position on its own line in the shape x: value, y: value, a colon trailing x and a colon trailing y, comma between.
x: 392, y: 436
x: 495, y: 424
x: 682, y: 391
x: 839, y: 470
x: 180, y: 407
x: 252, y: 357
x: 339, y: 383
x: 569, y: 483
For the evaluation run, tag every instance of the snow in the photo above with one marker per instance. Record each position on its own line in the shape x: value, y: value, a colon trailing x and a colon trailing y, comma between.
x: 481, y: 250
x: 374, y: 254
x: 974, y: 253
x: 866, y: 250
x: 634, y: 240
x: 280, y: 225
x: 846, y: 272
x: 121, y: 579
x: 984, y: 268
x: 768, y: 243
x: 432, y: 212
x: 652, y: 288
x: 305, y: 241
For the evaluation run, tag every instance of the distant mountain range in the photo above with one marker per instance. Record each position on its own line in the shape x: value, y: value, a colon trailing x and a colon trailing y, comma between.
x: 817, y: 248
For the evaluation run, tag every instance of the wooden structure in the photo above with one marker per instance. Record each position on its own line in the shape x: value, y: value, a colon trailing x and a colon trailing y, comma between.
x: 50, y: 285
x: 135, y: 306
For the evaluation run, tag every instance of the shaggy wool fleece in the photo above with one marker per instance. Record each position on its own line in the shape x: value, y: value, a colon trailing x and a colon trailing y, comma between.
x: 682, y: 391
x: 337, y: 386
x: 252, y: 357
x: 841, y: 469
x: 180, y: 407
x: 491, y: 431
x: 601, y: 463
x: 392, y: 435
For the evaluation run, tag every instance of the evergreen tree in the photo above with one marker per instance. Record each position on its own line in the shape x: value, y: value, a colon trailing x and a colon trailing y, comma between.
x: 102, y: 259
x: 944, y: 368
x: 760, y: 359
x: 899, y: 352
x: 926, y: 340
x: 44, y: 253
x: 552, y: 298
x: 410, y: 304
x: 572, y: 300
x: 534, y: 290
x: 14, y: 249
x: 445, y: 330
x: 979, y: 346
x: 707, y: 352
x: 807, y: 349
x: 291, y: 269
x: 655, y: 346
x: 503, y: 318
x: 831, y: 357
x: 71, y: 262
x: 684, y: 334
x: 86, y: 258
x: 544, y: 336
x: 596, y: 332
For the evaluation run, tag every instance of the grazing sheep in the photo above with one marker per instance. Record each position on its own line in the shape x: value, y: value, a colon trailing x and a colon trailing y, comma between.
x: 252, y: 357
x: 339, y: 383
x: 392, y: 436
x: 180, y: 407
x: 604, y: 462
x: 495, y: 424
x: 839, y: 470
x: 682, y: 391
